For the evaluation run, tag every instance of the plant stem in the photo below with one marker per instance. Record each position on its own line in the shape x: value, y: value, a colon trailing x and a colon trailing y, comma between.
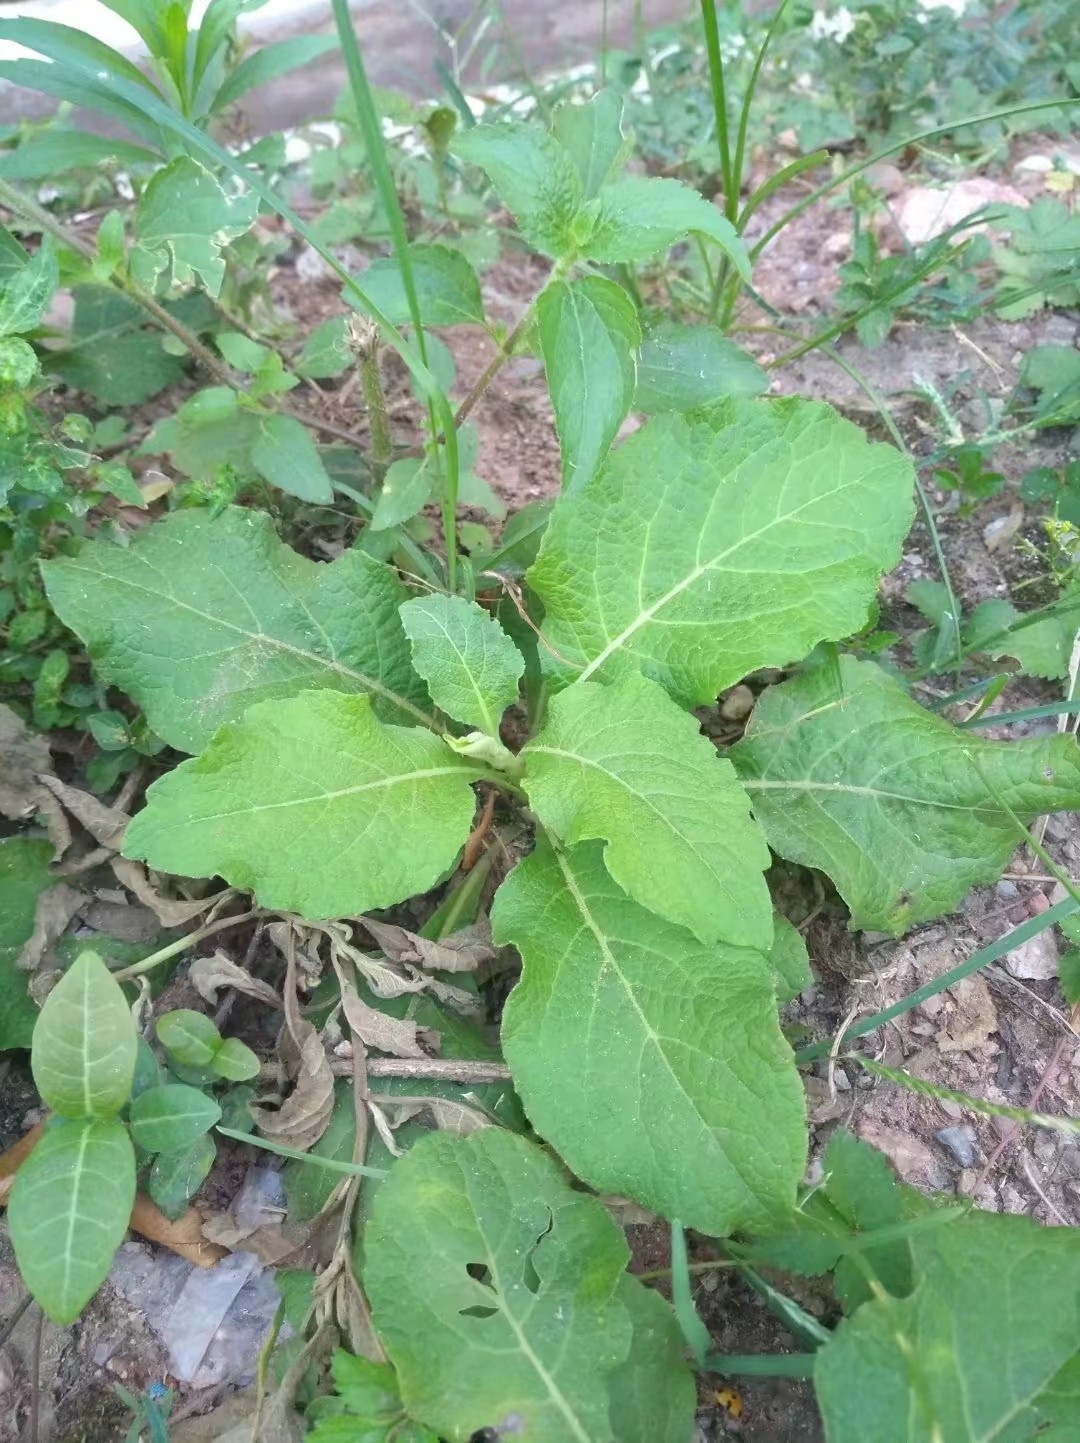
x: 493, y: 367
x: 384, y: 183
x: 164, y: 954
x: 719, y: 100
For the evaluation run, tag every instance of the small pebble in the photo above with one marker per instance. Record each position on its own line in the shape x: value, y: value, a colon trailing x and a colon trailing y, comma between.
x: 961, y: 1142
x: 1006, y: 889
x: 737, y: 704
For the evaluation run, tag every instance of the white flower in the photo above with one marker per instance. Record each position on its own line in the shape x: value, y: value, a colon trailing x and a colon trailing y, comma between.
x: 956, y: 6
x: 834, y: 27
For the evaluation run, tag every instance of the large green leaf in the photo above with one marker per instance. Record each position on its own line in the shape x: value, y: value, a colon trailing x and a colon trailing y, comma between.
x: 653, y: 1396
x: 681, y: 367
x: 896, y: 805
x: 534, y: 176
x: 714, y: 544
x: 69, y: 1210
x: 24, y: 875
x: 83, y: 1057
x: 655, y: 1065
x: 471, y: 666
x: 985, y: 1350
x: 588, y: 332
x: 493, y: 1286
x: 201, y: 616
x: 183, y: 222
x: 313, y: 805
x: 446, y: 287
x: 626, y: 764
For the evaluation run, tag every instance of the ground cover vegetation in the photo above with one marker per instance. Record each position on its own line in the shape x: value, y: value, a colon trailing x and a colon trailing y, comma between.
x: 512, y: 911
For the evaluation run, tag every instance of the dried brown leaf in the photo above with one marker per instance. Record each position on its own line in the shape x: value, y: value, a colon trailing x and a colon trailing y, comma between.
x: 184, y: 1236
x: 209, y: 974
x: 394, y: 1035
x: 105, y: 824
x: 305, y: 1114
x: 170, y: 911
x: 23, y: 755
x: 448, y: 1114
x: 53, y: 911
x: 463, y: 951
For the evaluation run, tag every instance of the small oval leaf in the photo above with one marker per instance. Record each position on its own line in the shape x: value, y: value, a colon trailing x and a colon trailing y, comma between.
x: 172, y: 1117
x: 83, y: 1053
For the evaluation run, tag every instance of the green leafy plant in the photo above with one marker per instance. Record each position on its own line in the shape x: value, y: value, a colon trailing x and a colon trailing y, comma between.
x: 353, y: 727
x: 112, y: 1112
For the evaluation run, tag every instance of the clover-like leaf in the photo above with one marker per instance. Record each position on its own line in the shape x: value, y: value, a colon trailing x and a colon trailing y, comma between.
x: 898, y: 806
x: 493, y: 1287
x: 985, y: 1348
x: 712, y: 544
x: 588, y: 333
x: 314, y: 805
x: 626, y: 764
x: 183, y: 222
x: 83, y: 1053
x: 69, y: 1210
x: 670, y: 1050
x: 471, y: 666
x: 201, y: 616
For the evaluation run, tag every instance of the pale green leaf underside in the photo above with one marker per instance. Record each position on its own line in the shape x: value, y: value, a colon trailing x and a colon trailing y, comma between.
x: 200, y: 617
x: 83, y: 1055
x: 69, y: 1211
x: 985, y: 1350
x: 713, y: 544
x: 471, y: 666
x: 314, y: 805
x: 626, y: 764
x: 184, y: 220
x: 895, y: 804
x: 534, y: 176
x: 534, y: 1343
x: 588, y: 333
x: 670, y: 1051
x: 653, y: 1396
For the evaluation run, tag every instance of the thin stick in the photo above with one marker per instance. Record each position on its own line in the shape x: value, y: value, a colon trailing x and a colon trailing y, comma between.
x: 1013, y: 1136
x: 441, y: 1069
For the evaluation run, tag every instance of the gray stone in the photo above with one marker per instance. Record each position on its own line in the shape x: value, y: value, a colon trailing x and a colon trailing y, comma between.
x: 961, y: 1142
x: 1036, y: 959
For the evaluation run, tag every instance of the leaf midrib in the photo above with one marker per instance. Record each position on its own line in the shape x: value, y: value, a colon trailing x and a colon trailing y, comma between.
x: 370, y: 683
x: 759, y: 784
x: 389, y: 781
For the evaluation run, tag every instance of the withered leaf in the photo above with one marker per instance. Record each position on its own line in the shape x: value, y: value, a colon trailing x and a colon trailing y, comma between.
x: 463, y: 951
x: 53, y: 911
x: 209, y: 974
x: 170, y: 911
x: 105, y: 824
x: 305, y: 1114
